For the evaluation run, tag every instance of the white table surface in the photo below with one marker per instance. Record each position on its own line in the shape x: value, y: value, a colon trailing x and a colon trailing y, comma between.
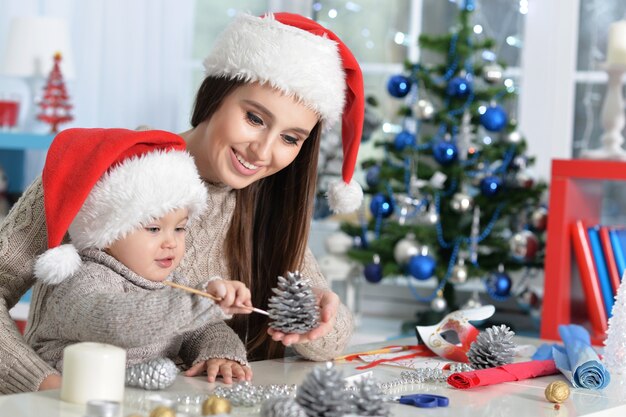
x: 512, y: 399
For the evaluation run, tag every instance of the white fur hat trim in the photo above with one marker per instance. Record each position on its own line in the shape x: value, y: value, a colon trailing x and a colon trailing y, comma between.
x: 310, y: 67
x: 134, y: 193
x: 56, y: 264
x: 344, y: 198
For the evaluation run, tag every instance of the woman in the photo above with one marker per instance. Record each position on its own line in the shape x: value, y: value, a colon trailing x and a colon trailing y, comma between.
x: 272, y: 85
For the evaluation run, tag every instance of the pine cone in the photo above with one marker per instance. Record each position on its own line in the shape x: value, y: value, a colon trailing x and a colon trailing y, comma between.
x: 323, y: 393
x: 293, y: 308
x: 368, y: 399
x: 493, y: 347
x: 154, y: 374
x: 281, y: 407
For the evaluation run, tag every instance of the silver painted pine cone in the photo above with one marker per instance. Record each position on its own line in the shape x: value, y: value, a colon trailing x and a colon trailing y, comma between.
x: 154, y: 374
x: 323, y: 393
x: 293, y: 307
x: 281, y: 407
x: 493, y: 347
x: 368, y: 399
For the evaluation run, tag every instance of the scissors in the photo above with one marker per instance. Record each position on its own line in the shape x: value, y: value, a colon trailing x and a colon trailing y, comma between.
x: 423, y: 400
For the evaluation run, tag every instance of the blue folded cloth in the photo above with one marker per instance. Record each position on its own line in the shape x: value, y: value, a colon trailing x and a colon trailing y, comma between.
x: 578, y: 361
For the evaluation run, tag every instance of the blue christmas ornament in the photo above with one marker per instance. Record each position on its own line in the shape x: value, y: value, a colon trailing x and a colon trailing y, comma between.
x: 459, y: 87
x: 372, y: 176
x: 499, y: 284
x: 381, y: 205
x: 373, y: 272
x: 404, y: 140
x: 445, y: 152
x: 422, y: 266
x: 399, y: 86
x: 490, y: 185
x: 494, y: 118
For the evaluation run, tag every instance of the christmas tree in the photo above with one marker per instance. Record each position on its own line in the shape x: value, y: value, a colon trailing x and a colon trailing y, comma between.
x: 55, y: 104
x: 615, y: 343
x: 453, y: 197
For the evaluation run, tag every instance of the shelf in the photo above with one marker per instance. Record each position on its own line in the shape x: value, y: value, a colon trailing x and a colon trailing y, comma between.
x: 576, y: 193
x: 22, y: 141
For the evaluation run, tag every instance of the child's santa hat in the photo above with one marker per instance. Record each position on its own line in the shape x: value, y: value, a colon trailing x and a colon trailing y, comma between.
x: 101, y: 184
x: 305, y: 60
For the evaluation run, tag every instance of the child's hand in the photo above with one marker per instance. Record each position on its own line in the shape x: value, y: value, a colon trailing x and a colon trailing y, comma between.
x: 225, y: 368
x: 234, y: 294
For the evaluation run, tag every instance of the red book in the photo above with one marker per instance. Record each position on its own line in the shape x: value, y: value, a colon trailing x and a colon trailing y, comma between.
x: 589, y: 278
x: 609, y: 256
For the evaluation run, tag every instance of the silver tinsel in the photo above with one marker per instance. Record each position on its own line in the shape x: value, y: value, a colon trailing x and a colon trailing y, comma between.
x: 154, y: 374
x: 420, y: 375
x: 493, y: 347
x: 323, y: 393
x: 244, y: 394
x: 282, y: 407
x: 293, y: 308
x: 368, y: 399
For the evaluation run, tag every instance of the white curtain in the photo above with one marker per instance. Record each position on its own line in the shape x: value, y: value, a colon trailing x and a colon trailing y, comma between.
x: 132, y: 58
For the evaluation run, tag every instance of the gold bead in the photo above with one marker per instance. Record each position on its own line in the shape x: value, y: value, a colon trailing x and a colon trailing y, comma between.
x: 557, y: 392
x: 215, y: 405
x: 162, y: 411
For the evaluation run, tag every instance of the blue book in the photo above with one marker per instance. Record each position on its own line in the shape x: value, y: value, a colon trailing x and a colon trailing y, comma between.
x: 601, y: 268
x: 618, y: 251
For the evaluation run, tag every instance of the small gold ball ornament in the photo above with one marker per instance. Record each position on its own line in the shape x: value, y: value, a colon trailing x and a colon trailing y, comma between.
x: 215, y: 405
x: 557, y: 392
x: 162, y: 411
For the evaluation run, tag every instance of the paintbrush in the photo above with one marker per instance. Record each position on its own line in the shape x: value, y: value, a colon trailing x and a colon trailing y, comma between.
x: 211, y: 296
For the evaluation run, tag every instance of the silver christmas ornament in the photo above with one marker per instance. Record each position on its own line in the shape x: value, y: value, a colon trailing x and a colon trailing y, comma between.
x: 493, y: 347
x: 282, y: 407
x: 323, y: 393
x: 524, y: 245
x: 431, y: 216
x: 154, y: 374
x: 405, y: 248
x: 493, y: 73
x: 461, y: 202
x: 539, y: 218
x: 368, y: 399
x: 293, y: 307
x: 472, y: 302
x: 459, y: 272
x: 438, y: 304
x: 513, y: 138
x: 423, y: 109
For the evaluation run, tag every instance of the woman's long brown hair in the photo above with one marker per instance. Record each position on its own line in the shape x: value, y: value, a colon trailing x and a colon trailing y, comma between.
x: 270, y: 226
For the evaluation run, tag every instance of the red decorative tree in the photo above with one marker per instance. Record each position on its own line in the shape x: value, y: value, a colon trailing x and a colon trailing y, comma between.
x: 55, y: 105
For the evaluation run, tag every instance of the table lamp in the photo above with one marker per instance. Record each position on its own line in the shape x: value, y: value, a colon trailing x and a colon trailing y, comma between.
x: 31, y: 45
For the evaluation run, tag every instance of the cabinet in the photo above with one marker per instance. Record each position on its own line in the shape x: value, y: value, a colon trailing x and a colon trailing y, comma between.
x: 16, y: 157
x: 576, y: 193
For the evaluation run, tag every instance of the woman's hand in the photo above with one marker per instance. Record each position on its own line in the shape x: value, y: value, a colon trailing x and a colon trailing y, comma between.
x: 328, y: 303
x: 50, y: 382
x: 235, y: 296
x: 225, y: 368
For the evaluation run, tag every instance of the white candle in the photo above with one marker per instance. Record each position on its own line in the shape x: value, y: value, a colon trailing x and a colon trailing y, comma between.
x: 616, y: 49
x: 93, y: 371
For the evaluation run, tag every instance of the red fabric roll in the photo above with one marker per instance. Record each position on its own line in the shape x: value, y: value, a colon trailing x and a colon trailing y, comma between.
x: 504, y: 373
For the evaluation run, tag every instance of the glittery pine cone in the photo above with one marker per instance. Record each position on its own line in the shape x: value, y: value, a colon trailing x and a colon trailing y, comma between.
x: 282, y: 407
x: 154, y: 374
x: 493, y: 347
x: 323, y: 393
x: 368, y: 399
x: 293, y: 307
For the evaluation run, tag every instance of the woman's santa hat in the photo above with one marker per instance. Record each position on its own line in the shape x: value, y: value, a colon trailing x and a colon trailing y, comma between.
x: 304, y: 60
x: 101, y: 184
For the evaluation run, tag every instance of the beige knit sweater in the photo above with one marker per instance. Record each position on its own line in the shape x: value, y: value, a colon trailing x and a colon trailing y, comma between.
x: 106, y: 302
x: 23, y: 237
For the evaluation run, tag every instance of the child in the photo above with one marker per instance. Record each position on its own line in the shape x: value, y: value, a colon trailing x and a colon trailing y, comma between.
x: 125, y: 198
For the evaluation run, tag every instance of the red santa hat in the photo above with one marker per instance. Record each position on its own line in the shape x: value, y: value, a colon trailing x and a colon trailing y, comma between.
x: 101, y: 184
x: 304, y: 60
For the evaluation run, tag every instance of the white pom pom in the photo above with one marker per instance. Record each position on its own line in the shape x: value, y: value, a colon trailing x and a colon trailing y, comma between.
x: 344, y: 198
x: 56, y: 264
